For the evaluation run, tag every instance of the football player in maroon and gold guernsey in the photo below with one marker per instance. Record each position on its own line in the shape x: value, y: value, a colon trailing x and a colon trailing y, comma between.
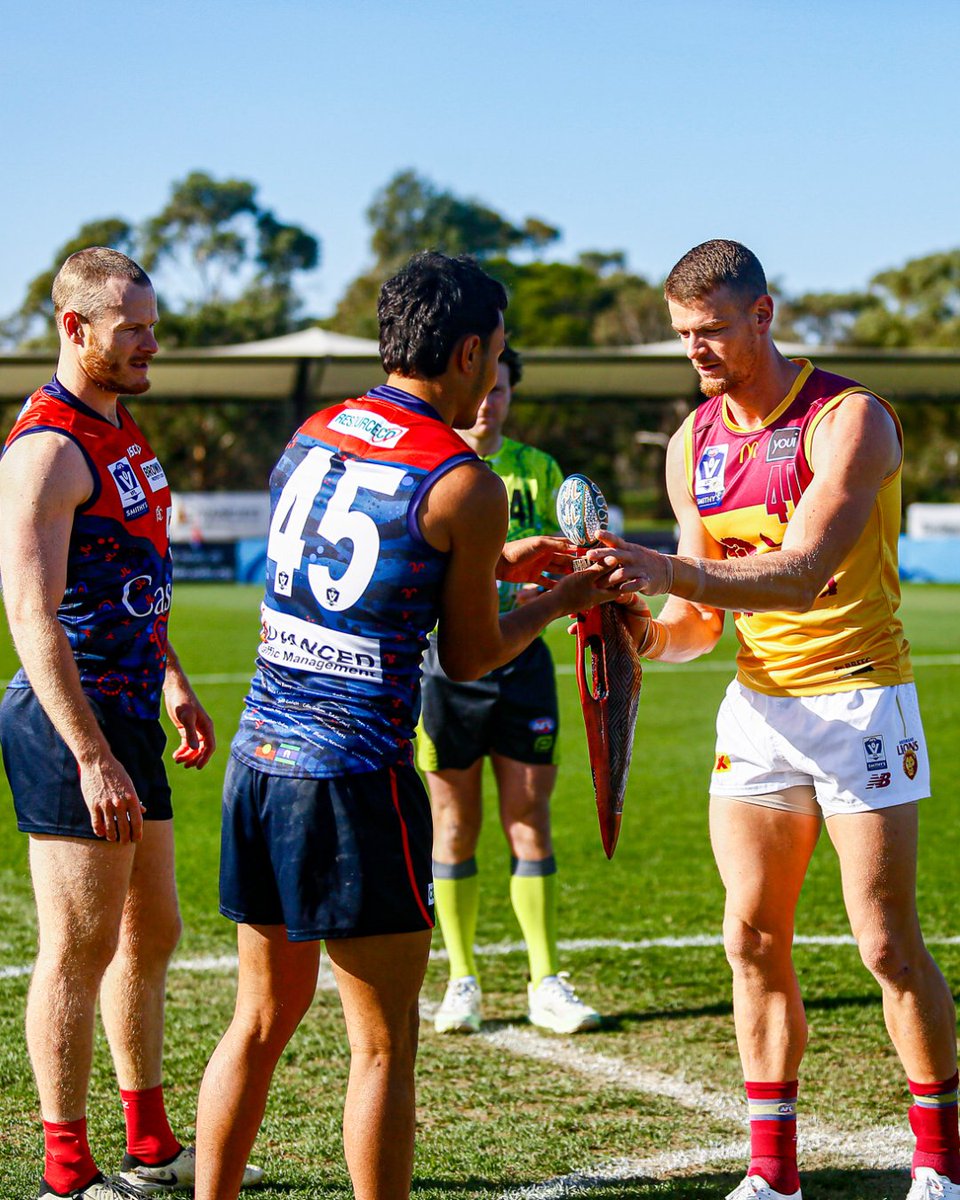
x: 786, y: 486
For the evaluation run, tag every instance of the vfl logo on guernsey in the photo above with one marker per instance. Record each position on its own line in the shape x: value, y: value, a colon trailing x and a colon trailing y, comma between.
x: 154, y: 473
x: 132, y: 496
x: 368, y: 428
x: 288, y: 641
x: 783, y: 444
x: 708, y: 483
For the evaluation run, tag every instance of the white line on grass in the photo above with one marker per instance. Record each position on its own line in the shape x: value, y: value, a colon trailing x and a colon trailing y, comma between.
x: 564, y: 668
x: 228, y: 962
x: 884, y: 1147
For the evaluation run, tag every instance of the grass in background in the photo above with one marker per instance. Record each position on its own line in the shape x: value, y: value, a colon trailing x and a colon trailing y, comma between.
x: 492, y: 1117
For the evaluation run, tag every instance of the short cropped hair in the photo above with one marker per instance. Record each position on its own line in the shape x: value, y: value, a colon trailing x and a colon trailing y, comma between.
x: 429, y: 306
x: 511, y: 359
x: 716, y: 264
x: 81, y: 280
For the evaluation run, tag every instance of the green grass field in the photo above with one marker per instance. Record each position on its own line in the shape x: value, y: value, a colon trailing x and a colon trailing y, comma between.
x: 648, y: 1106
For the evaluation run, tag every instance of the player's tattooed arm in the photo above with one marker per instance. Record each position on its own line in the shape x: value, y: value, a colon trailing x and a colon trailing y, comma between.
x: 190, y: 718
x: 43, y: 478
x: 855, y: 449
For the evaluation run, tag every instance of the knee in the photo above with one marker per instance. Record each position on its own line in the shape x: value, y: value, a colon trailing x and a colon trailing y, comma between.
x: 892, y: 959
x: 391, y: 1044
x: 79, y: 955
x: 266, y: 1026
x: 152, y: 943
x: 456, y: 833
x: 751, y: 950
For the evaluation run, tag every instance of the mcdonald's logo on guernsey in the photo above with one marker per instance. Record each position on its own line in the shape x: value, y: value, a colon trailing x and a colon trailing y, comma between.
x: 749, y: 450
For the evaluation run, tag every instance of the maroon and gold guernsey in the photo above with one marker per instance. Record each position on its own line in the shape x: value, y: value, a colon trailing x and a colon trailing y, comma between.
x: 746, y: 484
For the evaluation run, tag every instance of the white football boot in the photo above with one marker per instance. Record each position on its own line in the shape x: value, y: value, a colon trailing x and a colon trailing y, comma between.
x: 176, y: 1175
x: 460, y: 1010
x: 928, y: 1185
x: 104, y: 1187
x: 755, y: 1187
x: 554, y: 1005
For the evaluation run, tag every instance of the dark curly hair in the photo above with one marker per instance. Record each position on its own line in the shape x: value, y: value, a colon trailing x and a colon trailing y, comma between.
x: 429, y: 306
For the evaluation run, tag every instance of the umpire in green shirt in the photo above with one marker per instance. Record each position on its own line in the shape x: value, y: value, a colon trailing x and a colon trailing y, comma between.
x: 512, y: 716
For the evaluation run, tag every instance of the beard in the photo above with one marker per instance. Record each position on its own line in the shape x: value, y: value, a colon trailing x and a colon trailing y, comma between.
x: 717, y: 385
x: 107, y: 372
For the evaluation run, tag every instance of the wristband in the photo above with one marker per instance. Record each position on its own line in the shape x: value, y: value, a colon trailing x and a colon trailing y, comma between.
x: 656, y: 641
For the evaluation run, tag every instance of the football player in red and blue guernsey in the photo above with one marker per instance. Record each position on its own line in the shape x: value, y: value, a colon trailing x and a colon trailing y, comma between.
x: 87, y: 582
x: 384, y: 522
x: 786, y: 486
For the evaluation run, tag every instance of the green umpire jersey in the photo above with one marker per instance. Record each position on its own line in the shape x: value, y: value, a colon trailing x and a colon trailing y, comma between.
x: 532, y: 479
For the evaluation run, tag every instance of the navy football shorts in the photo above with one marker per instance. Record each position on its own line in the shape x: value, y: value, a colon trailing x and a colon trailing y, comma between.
x: 328, y: 858
x: 512, y: 711
x: 44, y: 776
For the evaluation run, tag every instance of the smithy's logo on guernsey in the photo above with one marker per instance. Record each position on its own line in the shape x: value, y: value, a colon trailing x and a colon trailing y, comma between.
x: 368, y: 428
x: 132, y: 496
x: 708, y: 483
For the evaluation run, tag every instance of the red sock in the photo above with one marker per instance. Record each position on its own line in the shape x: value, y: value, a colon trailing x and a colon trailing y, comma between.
x: 68, y: 1165
x: 149, y: 1136
x: 933, y: 1119
x: 773, y: 1134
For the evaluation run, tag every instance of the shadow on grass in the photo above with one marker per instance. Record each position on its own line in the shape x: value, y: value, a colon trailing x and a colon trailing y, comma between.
x: 613, y: 1021
x: 827, y: 1184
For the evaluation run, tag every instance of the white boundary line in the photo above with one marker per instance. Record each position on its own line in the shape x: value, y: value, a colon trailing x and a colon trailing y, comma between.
x: 696, y: 941
x: 881, y: 1147
x: 564, y: 668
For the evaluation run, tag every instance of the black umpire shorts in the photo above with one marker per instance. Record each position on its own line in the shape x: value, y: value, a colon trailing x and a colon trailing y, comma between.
x: 512, y: 711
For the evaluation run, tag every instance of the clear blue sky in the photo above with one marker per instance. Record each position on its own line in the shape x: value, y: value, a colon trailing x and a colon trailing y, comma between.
x: 823, y: 134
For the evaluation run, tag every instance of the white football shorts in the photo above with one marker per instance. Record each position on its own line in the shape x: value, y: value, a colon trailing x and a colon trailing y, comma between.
x: 859, y: 751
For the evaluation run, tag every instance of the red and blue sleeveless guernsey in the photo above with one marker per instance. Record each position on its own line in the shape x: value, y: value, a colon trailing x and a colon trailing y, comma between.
x: 119, y: 574
x: 352, y: 589
x: 746, y: 484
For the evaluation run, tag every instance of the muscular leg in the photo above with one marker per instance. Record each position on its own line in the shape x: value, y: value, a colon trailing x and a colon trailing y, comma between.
x: 525, y: 790
x: 762, y: 855
x: 276, y: 984
x: 878, y: 860
x: 133, y: 988
x: 456, y: 803
x: 379, y: 980
x: 80, y: 887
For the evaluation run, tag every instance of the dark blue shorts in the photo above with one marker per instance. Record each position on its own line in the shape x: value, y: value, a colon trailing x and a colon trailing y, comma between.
x: 327, y: 858
x: 44, y: 777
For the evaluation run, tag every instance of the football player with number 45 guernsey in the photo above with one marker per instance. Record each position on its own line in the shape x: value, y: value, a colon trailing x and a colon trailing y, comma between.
x: 786, y: 486
x: 384, y: 523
